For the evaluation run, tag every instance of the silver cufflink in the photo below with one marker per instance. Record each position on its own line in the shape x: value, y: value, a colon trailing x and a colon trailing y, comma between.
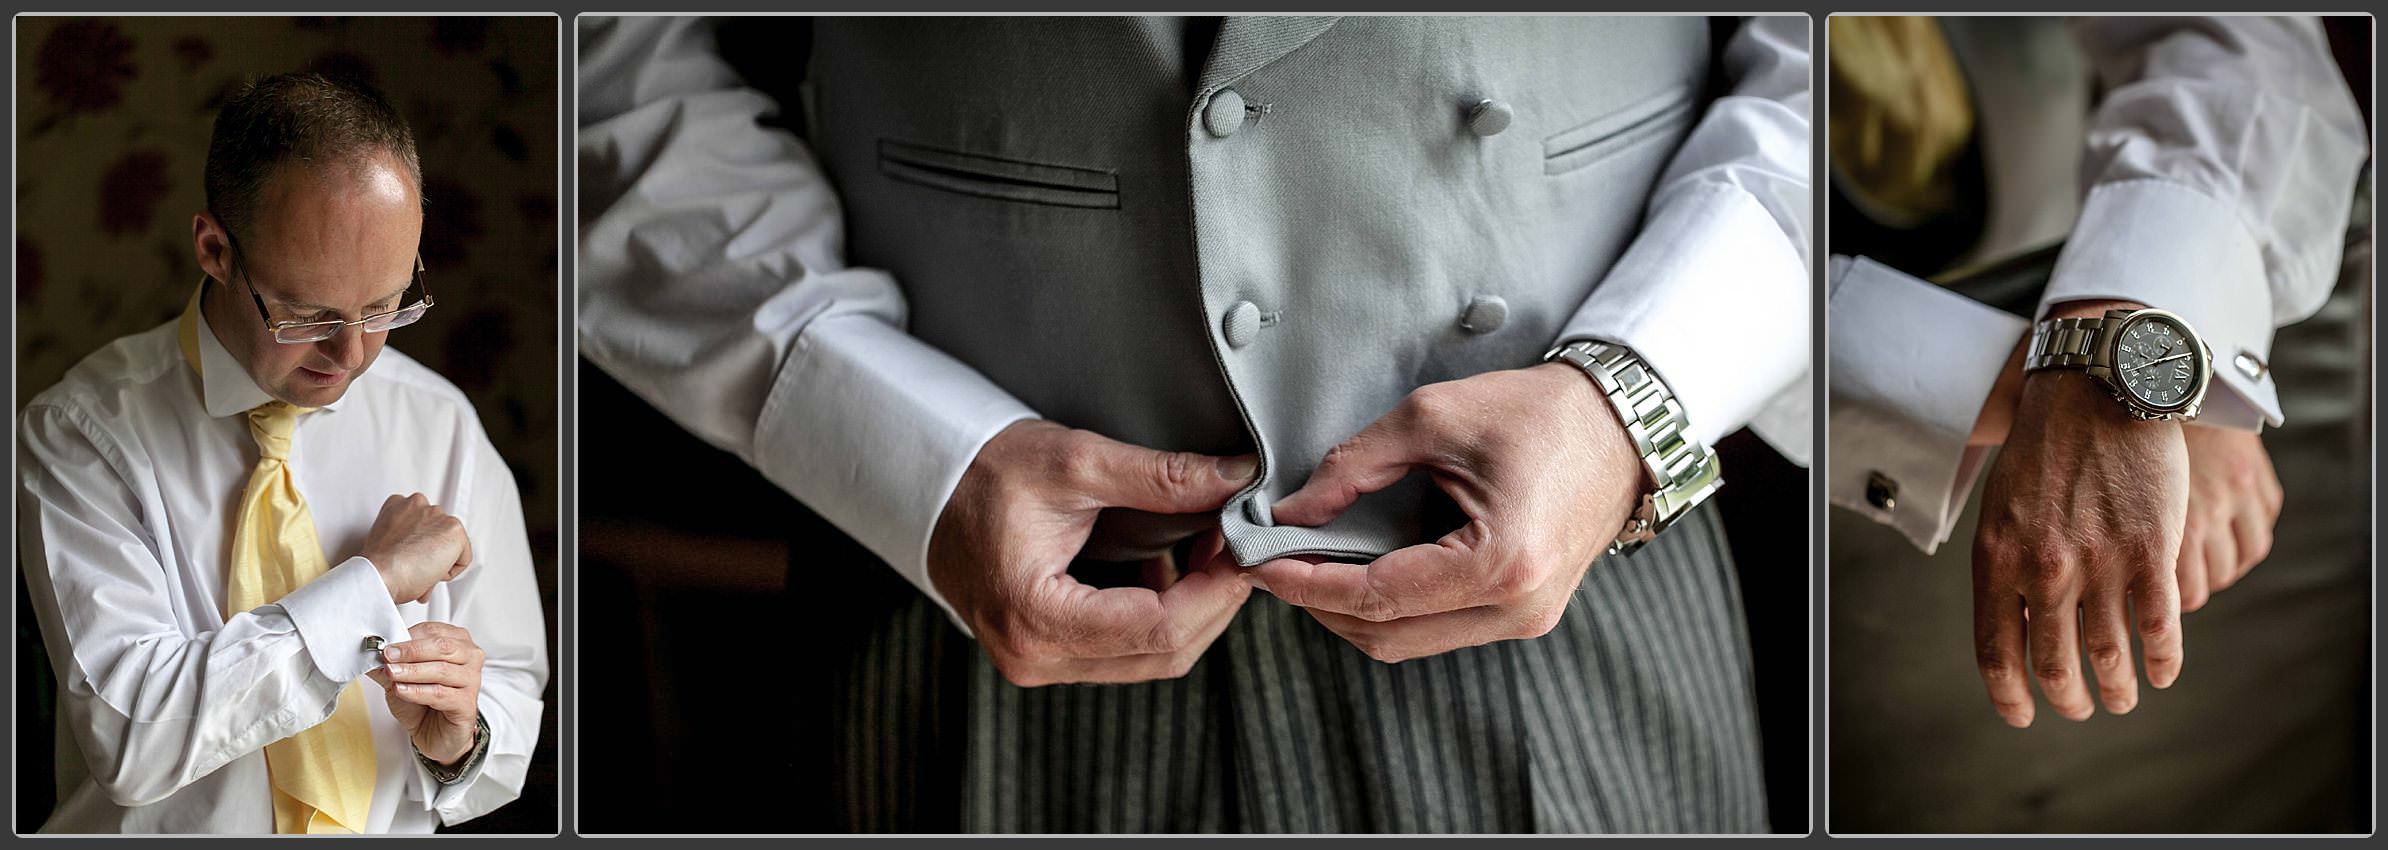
x: 373, y: 643
x: 2250, y: 365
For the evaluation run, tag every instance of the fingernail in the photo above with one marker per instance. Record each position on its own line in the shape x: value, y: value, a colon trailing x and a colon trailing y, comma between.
x: 2019, y: 720
x: 1239, y: 468
x: 1255, y: 581
x: 390, y: 654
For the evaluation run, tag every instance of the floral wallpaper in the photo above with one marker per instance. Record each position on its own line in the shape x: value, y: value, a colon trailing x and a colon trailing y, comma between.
x: 112, y: 122
x: 113, y: 116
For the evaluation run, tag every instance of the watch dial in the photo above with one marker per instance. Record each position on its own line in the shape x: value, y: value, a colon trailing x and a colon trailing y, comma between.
x: 2156, y: 361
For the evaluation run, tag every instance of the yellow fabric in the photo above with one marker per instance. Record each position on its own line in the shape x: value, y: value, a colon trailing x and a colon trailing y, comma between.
x: 1900, y: 115
x: 322, y: 776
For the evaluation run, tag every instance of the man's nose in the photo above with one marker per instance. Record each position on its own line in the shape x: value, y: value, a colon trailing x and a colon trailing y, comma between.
x: 347, y: 347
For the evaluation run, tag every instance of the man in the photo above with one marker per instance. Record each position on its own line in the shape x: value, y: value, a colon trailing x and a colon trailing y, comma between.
x: 280, y: 570
x: 2220, y: 168
x: 1146, y: 312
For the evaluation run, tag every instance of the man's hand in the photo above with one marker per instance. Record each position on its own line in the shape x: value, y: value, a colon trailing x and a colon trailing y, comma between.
x: 433, y: 684
x: 1538, y: 462
x: 2234, y: 498
x: 1001, y: 552
x: 416, y: 546
x: 2081, y: 523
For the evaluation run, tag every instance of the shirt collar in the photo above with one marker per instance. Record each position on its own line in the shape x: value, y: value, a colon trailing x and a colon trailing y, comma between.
x: 225, y: 388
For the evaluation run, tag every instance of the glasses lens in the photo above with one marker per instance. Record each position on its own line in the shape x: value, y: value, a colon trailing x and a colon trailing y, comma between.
x: 306, y: 333
x: 401, y: 318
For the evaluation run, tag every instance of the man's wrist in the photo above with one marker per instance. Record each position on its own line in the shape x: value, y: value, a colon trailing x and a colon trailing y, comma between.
x: 381, y: 570
x: 453, y: 769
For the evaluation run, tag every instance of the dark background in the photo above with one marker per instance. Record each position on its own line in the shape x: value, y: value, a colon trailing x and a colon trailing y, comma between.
x: 113, y: 117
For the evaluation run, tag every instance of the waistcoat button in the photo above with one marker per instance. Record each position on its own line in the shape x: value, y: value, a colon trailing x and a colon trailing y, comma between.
x: 1489, y: 117
x: 1225, y: 115
x: 1485, y: 314
x: 1242, y: 324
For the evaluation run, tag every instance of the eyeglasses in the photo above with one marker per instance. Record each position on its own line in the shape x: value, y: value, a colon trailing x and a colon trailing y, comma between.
x: 303, y: 333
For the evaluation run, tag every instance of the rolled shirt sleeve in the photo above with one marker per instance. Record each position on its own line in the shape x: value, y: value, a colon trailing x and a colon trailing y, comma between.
x: 1911, y: 365
x: 1714, y: 293
x: 713, y: 284
x: 2221, y: 170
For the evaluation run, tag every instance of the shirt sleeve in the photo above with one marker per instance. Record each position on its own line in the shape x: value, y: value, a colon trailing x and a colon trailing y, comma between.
x: 2220, y: 171
x: 497, y: 600
x: 1715, y: 291
x: 712, y: 284
x: 1911, y: 365
x: 152, y: 707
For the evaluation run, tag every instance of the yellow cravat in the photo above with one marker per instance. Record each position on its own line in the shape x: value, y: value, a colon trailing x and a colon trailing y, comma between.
x: 322, y: 776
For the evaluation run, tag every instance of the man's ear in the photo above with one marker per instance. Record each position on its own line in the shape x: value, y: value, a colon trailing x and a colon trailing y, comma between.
x: 212, y: 245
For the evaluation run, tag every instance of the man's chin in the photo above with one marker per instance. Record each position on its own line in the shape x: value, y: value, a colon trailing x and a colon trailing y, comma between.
x: 307, y: 389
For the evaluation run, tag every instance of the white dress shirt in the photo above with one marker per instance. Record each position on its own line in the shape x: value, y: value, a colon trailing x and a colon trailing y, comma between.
x: 130, y: 476
x: 754, y: 333
x: 2220, y: 169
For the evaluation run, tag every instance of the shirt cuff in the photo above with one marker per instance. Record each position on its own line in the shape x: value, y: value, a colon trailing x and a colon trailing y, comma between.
x: 1714, y: 297
x: 337, y: 611
x: 2173, y: 248
x: 1910, y: 366
x: 873, y: 428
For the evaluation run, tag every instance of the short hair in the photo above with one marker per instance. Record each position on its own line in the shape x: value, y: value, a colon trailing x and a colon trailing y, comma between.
x: 309, y: 118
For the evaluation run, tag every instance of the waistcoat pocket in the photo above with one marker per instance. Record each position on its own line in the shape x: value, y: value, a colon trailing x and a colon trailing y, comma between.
x: 999, y: 178
x: 1593, y: 141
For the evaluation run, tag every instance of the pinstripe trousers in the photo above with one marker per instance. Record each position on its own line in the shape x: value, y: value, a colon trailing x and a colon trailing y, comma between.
x: 1634, y: 715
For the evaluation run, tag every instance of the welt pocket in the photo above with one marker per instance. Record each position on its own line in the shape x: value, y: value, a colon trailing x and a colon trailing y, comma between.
x: 998, y: 177
x: 1588, y: 143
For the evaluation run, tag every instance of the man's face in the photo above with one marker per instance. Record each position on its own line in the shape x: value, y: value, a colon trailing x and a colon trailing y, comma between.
x: 325, y: 242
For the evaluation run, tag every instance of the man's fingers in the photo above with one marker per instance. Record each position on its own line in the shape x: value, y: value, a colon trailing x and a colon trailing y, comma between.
x: 440, y: 698
x: 2056, y: 654
x: 2106, y: 633
x: 1380, y: 455
x: 1139, y: 667
x: 1428, y: 578
x: 1434, y: 634
x: 2156, y: 614
x: 1129, y: 476
x: 1088, y: 622
x: 448, y: 648
x: 430, y: 673
x: 2221, y: 567
x: 1998, y: 651
x: 2254, y: 537
x: 2192, y: 572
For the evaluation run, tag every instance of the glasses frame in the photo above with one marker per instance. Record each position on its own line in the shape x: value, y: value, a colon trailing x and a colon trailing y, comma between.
x: 421, y: 281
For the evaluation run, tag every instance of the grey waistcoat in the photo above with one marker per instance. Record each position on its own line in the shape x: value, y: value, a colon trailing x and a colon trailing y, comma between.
x: 1115, y: 244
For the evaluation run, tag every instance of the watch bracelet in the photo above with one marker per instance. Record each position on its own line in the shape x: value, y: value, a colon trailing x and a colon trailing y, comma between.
x: 451, y: 775
x: 1685, y: 472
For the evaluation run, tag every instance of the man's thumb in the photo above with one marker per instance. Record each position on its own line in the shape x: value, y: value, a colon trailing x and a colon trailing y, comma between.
x: 1142, y: 479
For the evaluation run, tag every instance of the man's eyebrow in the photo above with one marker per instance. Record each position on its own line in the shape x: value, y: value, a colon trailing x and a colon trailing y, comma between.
x: 301, y: 305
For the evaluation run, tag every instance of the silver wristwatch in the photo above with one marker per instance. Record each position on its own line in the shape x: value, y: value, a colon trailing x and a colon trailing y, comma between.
x: 2151, y: 360
x: 1684, y: 473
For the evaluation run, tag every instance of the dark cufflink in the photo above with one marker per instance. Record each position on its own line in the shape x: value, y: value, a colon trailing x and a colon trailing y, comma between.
x: 1881, y: 492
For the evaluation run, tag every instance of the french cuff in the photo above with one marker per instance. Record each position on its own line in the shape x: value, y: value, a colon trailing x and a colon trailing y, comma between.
x: 1910, y: 366
x: 1715, y: 299
x: 873, y: 428
x: 2171, y: 247
x: 344, y: 616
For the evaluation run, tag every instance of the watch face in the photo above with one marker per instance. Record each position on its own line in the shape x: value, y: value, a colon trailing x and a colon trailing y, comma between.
x: 2157, y: 362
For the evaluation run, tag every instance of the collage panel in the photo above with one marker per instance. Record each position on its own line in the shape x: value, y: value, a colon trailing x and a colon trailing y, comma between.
x: 287, y: 471
x: 2100, y: 347
x: 1196, y: 424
